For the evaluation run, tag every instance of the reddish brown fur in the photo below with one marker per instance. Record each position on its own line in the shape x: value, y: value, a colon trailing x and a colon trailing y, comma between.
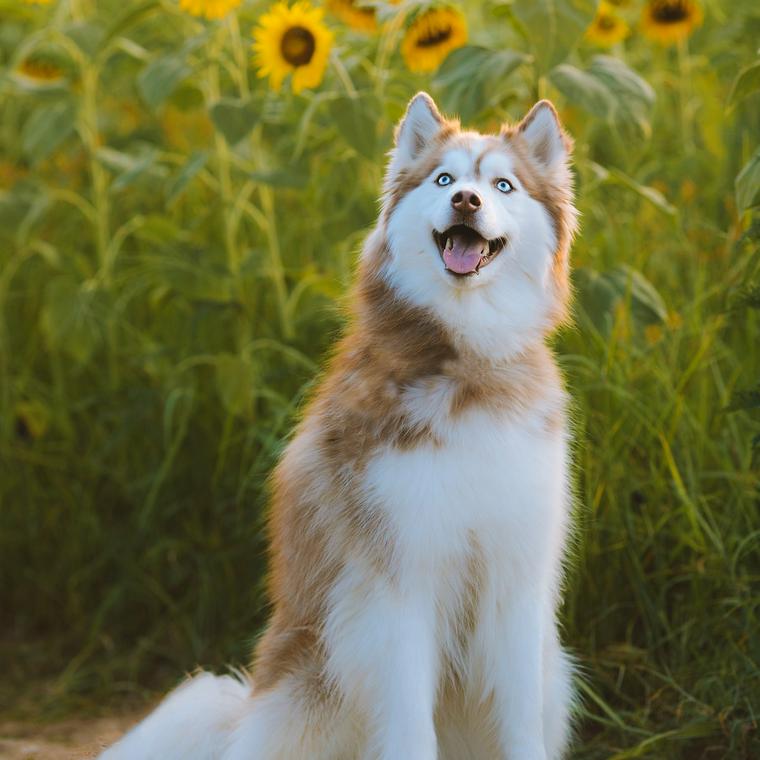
x: 555, y: 192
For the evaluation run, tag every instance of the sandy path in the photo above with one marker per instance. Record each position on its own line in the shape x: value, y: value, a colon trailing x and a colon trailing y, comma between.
x: 73, y: 739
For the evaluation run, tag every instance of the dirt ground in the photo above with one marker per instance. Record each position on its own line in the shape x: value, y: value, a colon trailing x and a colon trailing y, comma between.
x: 72, y: 739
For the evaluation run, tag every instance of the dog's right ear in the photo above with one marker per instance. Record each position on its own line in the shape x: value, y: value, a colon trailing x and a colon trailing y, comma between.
x: 420, y: 124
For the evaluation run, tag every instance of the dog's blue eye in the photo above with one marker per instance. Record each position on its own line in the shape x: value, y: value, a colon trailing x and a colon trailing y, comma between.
x: 505, y: 186
x: 444, y: 179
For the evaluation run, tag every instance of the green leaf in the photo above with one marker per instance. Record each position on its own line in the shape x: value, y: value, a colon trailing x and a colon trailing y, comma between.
x: 47, y: 128
x: 615, y: 176
x: 234, y: 118
x: 748, y: 183
x: 234, y: 382
x: 745, y: 84
x: 597, y: 297
x: 14, y: 205
x: 158, y: 80
x: 600, y: 293
x: 608, y: 89
x: 289, y: 176
x: 184, y: 271
x: 132, y: 14
x: 357, y: 119
x: 175, y: 417
x: 129, y: 168
x: 86, y: 35
x: 647, y: 305
x: 158, y: 230
x: 472, y: 78
x: 179, y: 181
x: 68, y: 319
x: 552, y: 27
x: 631, y: 96
x: 582, y: 89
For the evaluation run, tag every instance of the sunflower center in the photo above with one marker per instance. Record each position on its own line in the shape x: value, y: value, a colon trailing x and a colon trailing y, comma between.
x: 40, y: 69
x: 297, y: 46
x: 434, y: 37
x: 670, y: 11
x: 606, y: 23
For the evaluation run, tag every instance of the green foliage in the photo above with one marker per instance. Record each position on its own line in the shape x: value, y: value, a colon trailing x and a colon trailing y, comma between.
x: 175, y: 243
x: 748, y: 183
x: 552, y: 27
x: 746, y: 84
x: 47, y: 127
x: 234, y: 118
x: 473, y: 77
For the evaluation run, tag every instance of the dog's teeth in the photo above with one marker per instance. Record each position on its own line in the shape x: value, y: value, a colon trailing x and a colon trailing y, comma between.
x: 449, y: 244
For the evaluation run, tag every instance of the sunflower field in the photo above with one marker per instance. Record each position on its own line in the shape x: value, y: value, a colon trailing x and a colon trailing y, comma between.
x: 184, y: 186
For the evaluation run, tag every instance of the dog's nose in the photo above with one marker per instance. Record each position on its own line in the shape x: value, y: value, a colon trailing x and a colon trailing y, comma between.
x: 466, y: 202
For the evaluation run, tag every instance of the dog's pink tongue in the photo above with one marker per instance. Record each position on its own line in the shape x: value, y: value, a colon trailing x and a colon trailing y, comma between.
x: 464, y: 255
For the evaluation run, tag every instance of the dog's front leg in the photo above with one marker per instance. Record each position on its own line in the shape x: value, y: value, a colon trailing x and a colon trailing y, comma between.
x: 383, y: 654
x: 518, y: 677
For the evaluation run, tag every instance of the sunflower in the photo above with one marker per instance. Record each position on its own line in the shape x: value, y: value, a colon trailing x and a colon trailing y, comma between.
x: 670, y: 21
x: 292, y: 40
x: 210, y: 9
x: 432, y: 36
x: 39, y: 71
x: 357, y: 16
x: 607, y: 28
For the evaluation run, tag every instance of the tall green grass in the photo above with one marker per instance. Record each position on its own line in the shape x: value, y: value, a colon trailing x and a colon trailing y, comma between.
x: 168, y: 293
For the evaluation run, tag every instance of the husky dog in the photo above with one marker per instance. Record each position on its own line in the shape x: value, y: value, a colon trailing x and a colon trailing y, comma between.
x: 421, y: 510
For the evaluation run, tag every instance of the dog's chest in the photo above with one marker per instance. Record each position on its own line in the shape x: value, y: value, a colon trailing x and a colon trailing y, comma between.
x: 489, y: 483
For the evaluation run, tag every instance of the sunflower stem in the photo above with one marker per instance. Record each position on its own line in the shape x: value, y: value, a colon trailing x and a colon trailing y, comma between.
x: 223, y: 170
x: 684, y: 92
x: 267, y: 201
x: 388, y: 43
x: 88, y: 130
x: 343, y: 75
x: 238, y: 52
x: 275, y: 255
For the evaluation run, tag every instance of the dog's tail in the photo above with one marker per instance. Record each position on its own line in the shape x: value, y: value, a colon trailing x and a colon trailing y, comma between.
x: 193, y: 723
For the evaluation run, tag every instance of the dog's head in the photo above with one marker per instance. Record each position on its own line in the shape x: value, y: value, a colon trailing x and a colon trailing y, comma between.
x: 478, y: 227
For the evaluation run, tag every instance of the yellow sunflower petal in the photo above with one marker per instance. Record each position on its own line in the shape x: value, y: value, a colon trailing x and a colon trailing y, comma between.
x: 431, y: 37
x: 292, y: 40
x: 670, y: 21
x: 607, y: 28
x: 210, y: 9
x: 352, y: 12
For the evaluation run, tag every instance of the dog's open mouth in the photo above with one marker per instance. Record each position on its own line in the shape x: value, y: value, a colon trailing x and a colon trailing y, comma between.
x: 464, y: 251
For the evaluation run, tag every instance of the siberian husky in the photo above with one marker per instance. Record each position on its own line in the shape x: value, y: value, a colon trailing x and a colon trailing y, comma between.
x: 421, y: 510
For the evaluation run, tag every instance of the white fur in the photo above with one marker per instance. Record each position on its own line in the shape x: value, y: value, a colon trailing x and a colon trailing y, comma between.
x: 418, y: 127
x: 491, y: 492
x: 486, y: 490
x: 194, y: 721
x: 508, y: 305
x: 541, y: 129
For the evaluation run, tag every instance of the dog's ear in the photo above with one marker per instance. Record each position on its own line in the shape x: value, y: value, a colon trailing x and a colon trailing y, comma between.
x: 420, y: 124
x: 547, y: 141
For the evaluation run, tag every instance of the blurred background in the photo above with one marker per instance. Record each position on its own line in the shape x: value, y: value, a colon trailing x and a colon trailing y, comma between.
x: 184, y: 186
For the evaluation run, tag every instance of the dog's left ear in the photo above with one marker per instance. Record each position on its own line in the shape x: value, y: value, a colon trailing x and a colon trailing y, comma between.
x: 420, y: 124
x: 546, y: 140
